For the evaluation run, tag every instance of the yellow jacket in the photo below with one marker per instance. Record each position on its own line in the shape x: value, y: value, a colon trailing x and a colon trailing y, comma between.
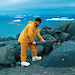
x: 29, y: 33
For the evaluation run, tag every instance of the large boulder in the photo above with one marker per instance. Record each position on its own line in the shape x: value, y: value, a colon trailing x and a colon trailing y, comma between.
x: 62, y: 36
x: 11, y: 43
x: 63, y: 26
x: 42, y: 32
x: 46, y: 30
x: 57, y: 44
x: 6, y: 38
x: 46, y: 27
x: 73, y: 38
x: 2, y: 44
x: 48, y: 45
x: 7, y: 56
x: 15, y: 46
x: 71, y: 28
x: 17, y: 53
x: 63, y: 56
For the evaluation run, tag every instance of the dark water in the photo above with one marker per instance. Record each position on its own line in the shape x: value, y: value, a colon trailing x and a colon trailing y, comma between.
x: 12, y: 30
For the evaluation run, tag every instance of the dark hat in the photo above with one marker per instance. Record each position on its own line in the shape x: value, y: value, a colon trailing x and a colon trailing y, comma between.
x: 38, y: 19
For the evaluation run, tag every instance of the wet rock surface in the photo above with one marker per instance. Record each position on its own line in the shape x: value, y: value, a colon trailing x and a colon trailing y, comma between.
x: 71, y: 29
x: 48, y: 45
x: 6, y: 56
x: 63, y: 56
x: 63, y: 26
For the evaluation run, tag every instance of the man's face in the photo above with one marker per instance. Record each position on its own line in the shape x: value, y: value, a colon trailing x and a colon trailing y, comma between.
x: 37, y: 23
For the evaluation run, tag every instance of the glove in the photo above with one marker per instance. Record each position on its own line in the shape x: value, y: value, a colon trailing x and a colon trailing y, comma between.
x: 34, y: 42
x: 43, y: 40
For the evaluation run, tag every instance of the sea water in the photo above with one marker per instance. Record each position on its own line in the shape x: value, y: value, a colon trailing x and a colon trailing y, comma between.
x: 13, y: 29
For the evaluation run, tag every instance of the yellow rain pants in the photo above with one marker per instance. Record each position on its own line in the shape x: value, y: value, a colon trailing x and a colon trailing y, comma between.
x: 27, y: 36
x: 24, y: 49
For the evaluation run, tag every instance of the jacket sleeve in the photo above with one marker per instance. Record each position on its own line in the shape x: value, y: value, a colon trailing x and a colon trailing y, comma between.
x: 38, y: 35
x: 30, y: 33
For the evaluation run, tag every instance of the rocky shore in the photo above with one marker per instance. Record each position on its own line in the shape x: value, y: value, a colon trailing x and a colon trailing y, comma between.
x: 58, y: 57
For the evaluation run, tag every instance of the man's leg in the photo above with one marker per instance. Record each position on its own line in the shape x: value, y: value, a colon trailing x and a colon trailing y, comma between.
x: 33, y: 50
x: 34, y: 53
x: 24, y: 49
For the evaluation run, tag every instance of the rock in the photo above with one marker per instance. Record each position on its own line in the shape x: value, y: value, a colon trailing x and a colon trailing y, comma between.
x: 57, y: 31
x: 2, y: 44
x: 36, y: 74
x: 49, y: 31
x: 3, y: 39
x: 11, y: 38
x: 12, y: 43
x: 43, y: 32
x: 62, y: 36
x: 39, y: 51
x: 17, y: 53
x: 23, y: 73
x: 46, y: 27
x: 71, y: 28
x: 56, y: 45
x: 63, y: 26
x: 47, y: 45
x: 6, y: 38
x: 17, y: 36
x: 63, y: 56
x: 73, y: 38
x: 7, y: 56
x: 46, y: 30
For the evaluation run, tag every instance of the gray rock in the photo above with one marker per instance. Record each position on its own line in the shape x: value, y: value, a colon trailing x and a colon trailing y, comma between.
x: 42, y: 32
x: 48, y: 45
x: 6, y: 38
x: 57, y: 31
x: 63, y: 56
x: 11, y: 38
x: 3, y: 39
x: 73, y: 38
x: 17, y: 36
x: 49, y: 31
x: 6, y: 56
x: 2, y: 44
x: 11, y: 43
x: 23, y: 73
x: 56, y: 45
x: 46, y: 27
x: 62, y: 36
x: 63, y: 26
x: 71, y: 28
x: 46, y: 30
x: 16, y: 51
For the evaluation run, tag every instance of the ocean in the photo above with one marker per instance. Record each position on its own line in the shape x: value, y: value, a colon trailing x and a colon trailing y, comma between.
x: 11, y: 30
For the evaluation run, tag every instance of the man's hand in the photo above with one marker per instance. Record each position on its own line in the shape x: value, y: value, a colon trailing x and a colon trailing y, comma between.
x: 34, y: 42
x: 43, y: 40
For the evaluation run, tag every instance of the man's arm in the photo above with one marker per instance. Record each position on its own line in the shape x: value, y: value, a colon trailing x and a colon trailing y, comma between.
x: 38, y: 35
x: 30, y: 34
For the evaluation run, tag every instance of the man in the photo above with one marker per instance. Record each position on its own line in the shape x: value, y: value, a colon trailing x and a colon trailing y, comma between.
x: 27, y: 36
